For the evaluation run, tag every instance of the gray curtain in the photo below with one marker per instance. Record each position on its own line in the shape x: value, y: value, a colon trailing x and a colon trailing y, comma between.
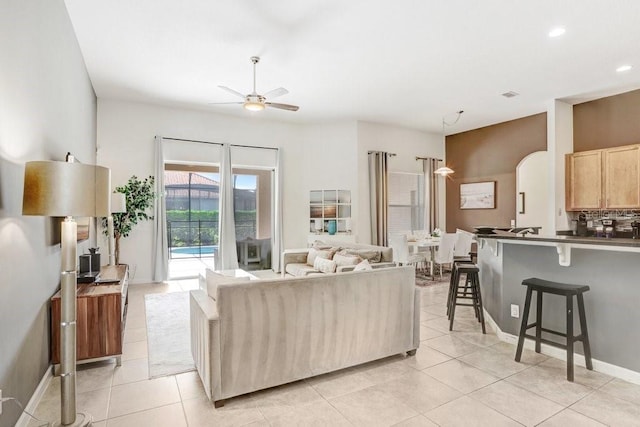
x: 227, y: 253
x: 160, y: 241
x: 378, y: 196
x: 431, y: 218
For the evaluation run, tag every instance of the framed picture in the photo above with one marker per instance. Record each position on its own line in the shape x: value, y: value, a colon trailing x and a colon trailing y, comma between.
x: 478, y: 195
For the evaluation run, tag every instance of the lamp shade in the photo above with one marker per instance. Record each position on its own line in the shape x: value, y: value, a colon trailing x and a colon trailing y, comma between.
x: 118, y: 202
x: 444, y: 171
x: 66, y: 189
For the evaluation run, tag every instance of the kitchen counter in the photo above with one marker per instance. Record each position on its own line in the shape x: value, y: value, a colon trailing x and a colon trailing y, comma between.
x: 608, y: 266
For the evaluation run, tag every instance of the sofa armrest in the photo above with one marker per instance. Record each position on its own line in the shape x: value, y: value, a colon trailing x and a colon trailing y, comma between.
x: 293, y: 256
x: 374, y: 266
x: 205, y: 341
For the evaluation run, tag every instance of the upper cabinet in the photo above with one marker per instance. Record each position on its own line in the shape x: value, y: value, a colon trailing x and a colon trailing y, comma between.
x: 603, y: 179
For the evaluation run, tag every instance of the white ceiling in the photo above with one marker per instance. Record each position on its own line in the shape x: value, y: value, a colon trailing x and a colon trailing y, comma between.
x: 402, y: 62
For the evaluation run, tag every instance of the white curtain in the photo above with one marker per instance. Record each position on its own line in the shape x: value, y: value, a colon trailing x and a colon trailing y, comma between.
x: 276, y: 248
x: 378, y: 196
x: 431, y: 218
x: 227, y: 254
x: 160, y: 243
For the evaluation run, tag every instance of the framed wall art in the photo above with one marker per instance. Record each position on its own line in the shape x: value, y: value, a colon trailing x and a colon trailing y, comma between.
x: 478, y: 195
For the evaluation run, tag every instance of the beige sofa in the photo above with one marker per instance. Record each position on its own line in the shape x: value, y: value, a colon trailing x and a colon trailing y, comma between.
x: 262, y: 333
x: 296, y: 262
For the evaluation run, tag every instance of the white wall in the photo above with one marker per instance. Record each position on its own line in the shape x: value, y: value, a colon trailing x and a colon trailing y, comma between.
x: 559, y: 143
x: 406, y: 144
x: 532, y: 178
x: 47, y: 107
x: 322, y: 156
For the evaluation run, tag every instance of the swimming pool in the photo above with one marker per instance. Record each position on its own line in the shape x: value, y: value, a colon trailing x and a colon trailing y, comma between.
x: 194, y: 250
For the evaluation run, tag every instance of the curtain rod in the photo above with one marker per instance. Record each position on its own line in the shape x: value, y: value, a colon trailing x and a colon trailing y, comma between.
x: 390, y: 154
x: 219, y: 143
x: 428, y: 158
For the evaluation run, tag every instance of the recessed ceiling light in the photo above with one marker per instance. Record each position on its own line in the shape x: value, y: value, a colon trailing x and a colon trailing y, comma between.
x: 623, y: 68
x: 556, y: 32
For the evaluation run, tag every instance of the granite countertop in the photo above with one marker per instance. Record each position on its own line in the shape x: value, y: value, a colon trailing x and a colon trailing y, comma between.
x: 564, y: 239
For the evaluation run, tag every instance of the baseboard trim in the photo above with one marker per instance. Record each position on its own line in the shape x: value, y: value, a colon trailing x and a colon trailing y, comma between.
x: 32, y: 405
x: 558, y: 353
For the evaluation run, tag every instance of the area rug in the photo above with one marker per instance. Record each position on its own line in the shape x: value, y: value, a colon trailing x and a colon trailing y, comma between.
x: 425, y: 280
x: 168, y: 334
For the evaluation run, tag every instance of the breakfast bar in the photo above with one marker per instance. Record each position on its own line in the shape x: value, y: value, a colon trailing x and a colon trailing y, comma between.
x: 608, y: 266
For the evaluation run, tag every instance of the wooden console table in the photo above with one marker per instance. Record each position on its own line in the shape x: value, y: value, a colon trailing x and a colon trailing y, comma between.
x: 102, y: 311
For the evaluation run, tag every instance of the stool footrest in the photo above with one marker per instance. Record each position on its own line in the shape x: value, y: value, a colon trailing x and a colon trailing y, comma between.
x: 549, y: 342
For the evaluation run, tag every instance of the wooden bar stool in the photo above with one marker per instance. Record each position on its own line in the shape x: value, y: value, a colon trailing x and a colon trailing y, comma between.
x: 454, y: 278
x: 568, y: 291
x: 472, y: 284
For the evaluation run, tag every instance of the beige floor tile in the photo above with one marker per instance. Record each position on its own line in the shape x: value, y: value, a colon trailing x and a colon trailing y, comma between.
x: 609, y: 410
x: 464, y: 412
x: 135, y: 305
x: 427, y: 333
x: 419, y: 391
x: 279, y: 400
x: 516, y: 403
x: 426, y: 357
x: 339, y: 383
x: 136, y: 321
x: 569, y: 418
x: 546, y: 383
x: 493, y: 362
x: 190, y: 385
x: 134, y: 335
x: 437, y: 309
x: 425, y: 316
x: 164, y: 416
x: 581, y: 375
x: 94, y: 403
x: 99, y: 424
x: 202, y: 413
x: 464, y: 378
x: 385, y: 370
x: 143, y: 395
x: 95, y: 376
x: 528, y: 357
x: 419, y: 421
x: 477, y: 337
x: 372, y: 407
x: 623, y: 390
x: 315, y: 414
x: 451, y: 346
x: 134, y: 350
x: 131, y: 371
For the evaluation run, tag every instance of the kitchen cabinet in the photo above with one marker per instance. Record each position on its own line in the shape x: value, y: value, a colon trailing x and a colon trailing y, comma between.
x: 101, y: 313
x: 603, y: 179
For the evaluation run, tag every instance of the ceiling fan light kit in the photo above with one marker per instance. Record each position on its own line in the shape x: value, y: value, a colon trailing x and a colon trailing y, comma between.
x: 255, y: 101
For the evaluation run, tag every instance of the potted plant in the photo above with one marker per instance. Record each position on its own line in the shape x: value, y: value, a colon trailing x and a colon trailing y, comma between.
x: 140, y: 195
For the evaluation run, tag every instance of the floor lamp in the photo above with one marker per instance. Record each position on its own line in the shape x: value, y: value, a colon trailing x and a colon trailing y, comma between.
x: 118, y: 204
x: 66, y: 189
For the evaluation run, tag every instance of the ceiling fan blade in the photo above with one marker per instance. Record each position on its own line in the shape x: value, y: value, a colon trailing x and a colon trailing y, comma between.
x: 222, y: 103
x: 235, y: 92
x: 287, y: 107
x: 275, y: 93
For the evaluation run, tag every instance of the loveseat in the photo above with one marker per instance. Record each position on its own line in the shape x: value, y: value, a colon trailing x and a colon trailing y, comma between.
x: 255, y: 334
x: 300, y: 262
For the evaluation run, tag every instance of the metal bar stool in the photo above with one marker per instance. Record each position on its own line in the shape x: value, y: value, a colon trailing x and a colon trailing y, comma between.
x: 568, y: 291
x: 472, y: 282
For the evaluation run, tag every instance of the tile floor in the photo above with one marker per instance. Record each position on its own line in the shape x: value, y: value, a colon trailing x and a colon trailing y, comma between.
x: 462, y: 378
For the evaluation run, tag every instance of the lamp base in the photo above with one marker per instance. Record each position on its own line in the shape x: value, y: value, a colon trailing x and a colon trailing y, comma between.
x: 82, y: 420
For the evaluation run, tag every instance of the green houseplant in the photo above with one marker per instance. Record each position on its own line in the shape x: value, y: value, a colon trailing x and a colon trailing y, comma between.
x: 140, y: 195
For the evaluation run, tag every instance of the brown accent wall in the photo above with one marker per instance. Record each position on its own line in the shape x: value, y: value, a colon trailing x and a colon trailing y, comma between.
x: 607, y: 122
x: 490, y: 154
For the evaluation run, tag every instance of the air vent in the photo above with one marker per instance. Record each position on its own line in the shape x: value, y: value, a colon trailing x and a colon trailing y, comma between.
x: 510, y: 94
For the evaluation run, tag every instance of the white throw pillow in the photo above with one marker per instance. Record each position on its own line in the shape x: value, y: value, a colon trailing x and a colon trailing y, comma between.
x: 342, y: 260
x: 324, y: 265
x: 316, y: 253
x: 214, y: 279
x: 363, y: 266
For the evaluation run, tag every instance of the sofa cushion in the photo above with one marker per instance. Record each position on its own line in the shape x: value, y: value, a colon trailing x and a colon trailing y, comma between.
x: 363, y: 266
x: 371, y: 255
x: 324, y: 265
x: 299, y: 269
x: 342, y: 260
x: 315, y: 253
x: 214, y: 279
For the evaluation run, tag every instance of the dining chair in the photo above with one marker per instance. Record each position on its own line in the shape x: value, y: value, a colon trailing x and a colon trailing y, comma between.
x: 444, y: 254
x: 462, y: 247
x: 401, y: 253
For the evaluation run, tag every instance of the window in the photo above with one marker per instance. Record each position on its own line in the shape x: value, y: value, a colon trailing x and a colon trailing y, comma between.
x: 406, y: 202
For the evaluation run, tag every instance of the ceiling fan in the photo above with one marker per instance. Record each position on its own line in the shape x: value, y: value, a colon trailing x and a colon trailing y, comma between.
x: 256, y: 102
